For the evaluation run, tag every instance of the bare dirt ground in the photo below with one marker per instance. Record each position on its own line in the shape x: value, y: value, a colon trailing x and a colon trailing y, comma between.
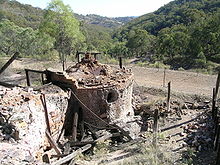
x: 182, y: 81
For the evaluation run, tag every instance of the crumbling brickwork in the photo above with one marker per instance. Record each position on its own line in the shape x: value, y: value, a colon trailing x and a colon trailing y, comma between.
x: 104, y: 90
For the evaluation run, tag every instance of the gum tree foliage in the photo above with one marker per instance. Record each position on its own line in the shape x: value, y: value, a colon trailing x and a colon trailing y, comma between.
x: 119, y: 49
x: 26, y: 41
x: 140, y: 42
x: 60, y: 24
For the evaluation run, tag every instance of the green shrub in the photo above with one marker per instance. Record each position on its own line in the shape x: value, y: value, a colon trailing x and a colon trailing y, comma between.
x: 200, y: 63
x: 181, y: 69
x: 158, y: 64
x: 215, y: 58
x: 142, y: 64
x: 106, y: 59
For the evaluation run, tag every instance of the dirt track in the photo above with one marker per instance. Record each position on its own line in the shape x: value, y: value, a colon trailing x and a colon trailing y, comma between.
x: 182, y: 81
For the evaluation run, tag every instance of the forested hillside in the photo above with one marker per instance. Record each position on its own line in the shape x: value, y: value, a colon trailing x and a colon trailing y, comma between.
x: 24, y: 21
x: 183, y: 33
x: 26, y: 15
x: 104, y: 21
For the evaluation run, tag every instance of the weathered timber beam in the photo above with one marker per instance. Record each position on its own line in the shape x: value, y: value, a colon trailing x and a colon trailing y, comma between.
x: 43, y: 100
x: 36, y: 71
x: 9, y: 62
x: 52, y: 143
x: 72, y: 155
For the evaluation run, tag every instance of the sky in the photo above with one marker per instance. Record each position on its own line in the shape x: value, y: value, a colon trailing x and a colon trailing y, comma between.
x: 109, y: 8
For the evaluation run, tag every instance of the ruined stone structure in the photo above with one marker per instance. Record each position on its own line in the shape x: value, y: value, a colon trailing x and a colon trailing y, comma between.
x: 104, y: 90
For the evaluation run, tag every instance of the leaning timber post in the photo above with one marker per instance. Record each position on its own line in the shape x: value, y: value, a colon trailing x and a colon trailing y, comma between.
x: 75, y: 122
x: 218, y: 156
x: 217, y: 85
x: 43, y: 100
x: 120, y: 62
x: 213, y: 103
x: 52, y: 143
x: 9, y: 62
x: 216, y: 115
x: 216, y: 140
x: 27, y: 77
x: 168, y: 97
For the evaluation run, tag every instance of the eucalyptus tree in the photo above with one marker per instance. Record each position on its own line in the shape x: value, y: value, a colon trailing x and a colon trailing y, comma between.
x: 26, y: 41
x: 59, y: 22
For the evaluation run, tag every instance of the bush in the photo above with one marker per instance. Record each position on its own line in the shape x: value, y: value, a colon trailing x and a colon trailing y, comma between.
x: 215, y: 58
x: 158, y: 64
x: 200, y: 63
x: 181, y: 69
x: 106, y: 59
x: 142, y: 64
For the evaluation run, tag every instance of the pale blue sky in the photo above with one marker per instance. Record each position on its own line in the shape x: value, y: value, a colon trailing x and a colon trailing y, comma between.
x: 109, y: 8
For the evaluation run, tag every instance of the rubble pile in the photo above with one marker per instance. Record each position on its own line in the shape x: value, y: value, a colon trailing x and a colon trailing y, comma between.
x: 90, y: 73
x: 199, y: 133
x: 105, y: 90
x: 22, y: 124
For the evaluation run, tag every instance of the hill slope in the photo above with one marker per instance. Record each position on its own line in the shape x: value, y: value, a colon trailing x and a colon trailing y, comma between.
x: 175, y: 12
x: 183, y: 33
x: 104, y: 21
x: 26, y: 15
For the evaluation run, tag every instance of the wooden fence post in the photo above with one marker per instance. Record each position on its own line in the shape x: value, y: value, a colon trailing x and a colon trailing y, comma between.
x: 27, y: 77
x: 168, y: 97
x: 120, y: 62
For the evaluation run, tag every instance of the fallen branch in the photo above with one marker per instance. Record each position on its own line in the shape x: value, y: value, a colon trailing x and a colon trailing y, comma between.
x: 72, y: 155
